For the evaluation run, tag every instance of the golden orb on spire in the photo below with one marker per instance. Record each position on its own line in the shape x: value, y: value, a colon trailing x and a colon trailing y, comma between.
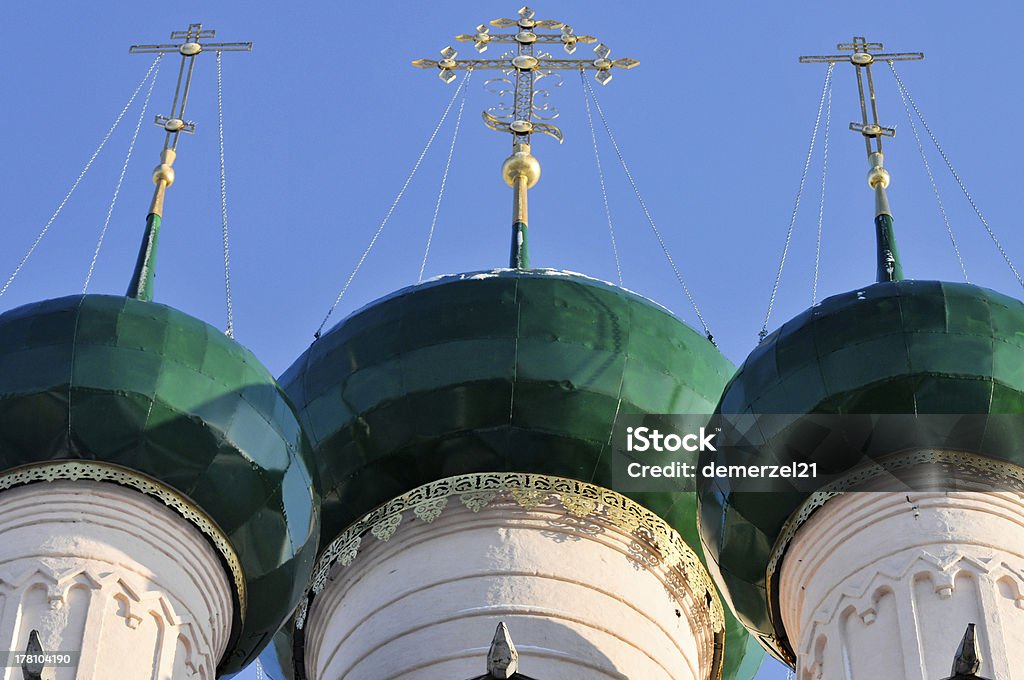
x: 521, y: 164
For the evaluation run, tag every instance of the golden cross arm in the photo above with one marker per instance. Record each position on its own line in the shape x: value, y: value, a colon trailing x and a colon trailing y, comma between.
x: 512, y: 38
x: 586, y: 65
x: 217, y: 47
x: 872, y: 130
x: 862, y: 54
x: 540, y: 65
x: 527, y: 35
x: 192, y: 45
x: 889, y: 56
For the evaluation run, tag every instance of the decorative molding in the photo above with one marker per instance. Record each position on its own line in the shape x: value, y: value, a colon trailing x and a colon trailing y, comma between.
x: 654, y: 537
x: 73, y: 470
x: 952, y: 462
x: 137, y: 603
x: 941, y: 571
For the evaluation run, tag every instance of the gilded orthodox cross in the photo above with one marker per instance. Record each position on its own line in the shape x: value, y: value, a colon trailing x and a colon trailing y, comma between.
x: 523, y: 68
x: 862, y: 57
x: 191, y: 45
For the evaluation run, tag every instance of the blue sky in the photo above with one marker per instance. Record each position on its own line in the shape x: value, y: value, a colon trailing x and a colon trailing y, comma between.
x: 325, y: 118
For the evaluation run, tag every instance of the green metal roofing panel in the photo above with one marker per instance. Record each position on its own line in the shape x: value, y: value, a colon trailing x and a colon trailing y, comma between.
x: 510, y: 370
x: 146, y: 387
x: 914, y: 347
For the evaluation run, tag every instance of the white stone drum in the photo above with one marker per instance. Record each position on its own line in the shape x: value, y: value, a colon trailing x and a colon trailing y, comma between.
x: 108, y: 571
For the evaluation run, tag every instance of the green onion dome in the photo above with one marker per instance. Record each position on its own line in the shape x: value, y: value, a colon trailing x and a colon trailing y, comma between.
x: 118, y: 390
x: 907, y: 347
x: 502, y: 371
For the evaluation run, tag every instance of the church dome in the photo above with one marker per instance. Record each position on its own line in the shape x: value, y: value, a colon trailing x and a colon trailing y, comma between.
x: 499, y: 371
x: 904, y: 347
x: 136, y: 393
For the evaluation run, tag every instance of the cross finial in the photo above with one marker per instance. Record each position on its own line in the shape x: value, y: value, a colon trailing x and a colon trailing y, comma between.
x: 191, y: 46
x: 862, y: 55
x: 518, y: 111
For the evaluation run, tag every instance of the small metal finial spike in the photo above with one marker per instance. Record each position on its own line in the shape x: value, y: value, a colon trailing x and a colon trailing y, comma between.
x: 502, y: 658
x: 34, y: 649
x: 968, y: 659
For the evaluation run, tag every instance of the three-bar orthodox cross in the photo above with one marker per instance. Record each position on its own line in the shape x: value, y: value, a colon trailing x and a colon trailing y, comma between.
x: 523, y: 67
x: 191, y: 46
x: 862, y: 57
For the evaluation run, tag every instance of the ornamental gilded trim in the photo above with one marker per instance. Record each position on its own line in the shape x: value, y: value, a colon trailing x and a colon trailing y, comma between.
x: 476, y: 491
x: 74, y: 470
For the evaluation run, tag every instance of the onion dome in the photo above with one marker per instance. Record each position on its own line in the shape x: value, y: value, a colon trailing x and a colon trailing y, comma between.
x: 510, y: 370
x: 124, y: 390
x: 136, y: 393
x: 892, y: 347
x: 914, y: 347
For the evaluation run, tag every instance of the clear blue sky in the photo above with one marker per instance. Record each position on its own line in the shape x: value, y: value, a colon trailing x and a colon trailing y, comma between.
x: 326, y: 117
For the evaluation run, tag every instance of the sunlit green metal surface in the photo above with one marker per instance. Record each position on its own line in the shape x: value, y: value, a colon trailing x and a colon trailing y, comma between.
x: 149, y: 388
x: 918, y: 347
x: 511, y: 370
x: 890, y: 266
x: 141, y: 285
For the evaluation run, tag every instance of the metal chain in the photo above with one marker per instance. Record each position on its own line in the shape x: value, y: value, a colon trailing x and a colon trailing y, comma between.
x: 78, y: 180
x: 120, y: 180
x: 230, y: 329
x: 444, y: 179
x: 906, y: 93
x: 931, y: 177
x: 647, y: 214
x: 821, y: 200
x: 394, y: 204
x: 600, y: 177
x: 796, y: 204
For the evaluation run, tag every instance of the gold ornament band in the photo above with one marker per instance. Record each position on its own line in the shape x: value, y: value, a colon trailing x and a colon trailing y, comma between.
x: 580, y: 499
x: 74, y: 470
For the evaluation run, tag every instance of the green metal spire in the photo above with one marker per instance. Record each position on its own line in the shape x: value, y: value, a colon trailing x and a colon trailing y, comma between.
x: 889, y: 266
x: 141, y: 287
x: 888, y: 256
